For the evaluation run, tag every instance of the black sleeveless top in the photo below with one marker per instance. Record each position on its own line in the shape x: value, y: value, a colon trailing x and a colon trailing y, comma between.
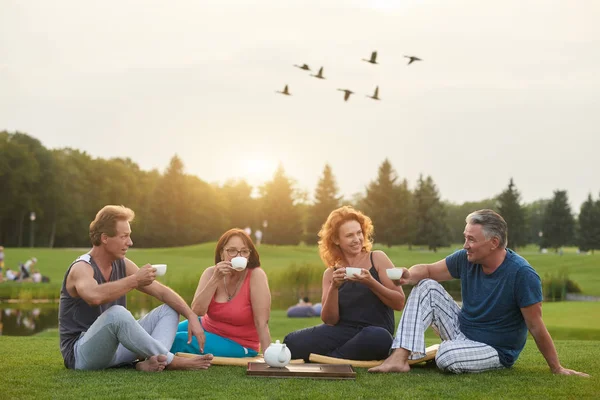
x: 360, y: 307
x: 75, y: 316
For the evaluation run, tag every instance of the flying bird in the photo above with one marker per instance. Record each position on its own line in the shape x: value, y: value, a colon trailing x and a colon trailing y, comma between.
x: 376, y: 94
x: 319, y: 74
x: 285, y: 91
x: 347, y: 93
x: 303, y: 66
x: 373, y: 59
x: 412, y: 59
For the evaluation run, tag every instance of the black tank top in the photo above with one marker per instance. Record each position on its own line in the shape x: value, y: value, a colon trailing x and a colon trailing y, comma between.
x: 359, y: 306
x: 75, y: 316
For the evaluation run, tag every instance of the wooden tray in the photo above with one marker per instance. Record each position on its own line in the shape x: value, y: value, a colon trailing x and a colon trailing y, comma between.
x: 313, y: 371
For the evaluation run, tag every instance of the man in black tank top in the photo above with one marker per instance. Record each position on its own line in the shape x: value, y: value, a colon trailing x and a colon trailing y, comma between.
x: 96, y: 329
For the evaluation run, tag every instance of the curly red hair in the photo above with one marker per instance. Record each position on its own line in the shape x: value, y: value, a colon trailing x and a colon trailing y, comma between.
x: 330, y: 253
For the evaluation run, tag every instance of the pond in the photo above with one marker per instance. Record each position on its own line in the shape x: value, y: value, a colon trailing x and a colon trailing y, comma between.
x: 24, y: 319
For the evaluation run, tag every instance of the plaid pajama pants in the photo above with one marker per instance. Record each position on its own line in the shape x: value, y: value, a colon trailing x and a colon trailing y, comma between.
x: 429, y: 304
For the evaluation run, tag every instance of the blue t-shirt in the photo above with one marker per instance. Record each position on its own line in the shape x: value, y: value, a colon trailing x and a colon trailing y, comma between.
x: 491, y: 312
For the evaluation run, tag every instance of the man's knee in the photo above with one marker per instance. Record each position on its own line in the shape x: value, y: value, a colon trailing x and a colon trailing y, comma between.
x: 447, y: 359
x: 166, y: 311
x: 118, y: 314
x: 426, y: 284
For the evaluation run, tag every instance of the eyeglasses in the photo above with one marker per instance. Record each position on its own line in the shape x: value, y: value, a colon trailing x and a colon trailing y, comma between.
x: 233, y: 252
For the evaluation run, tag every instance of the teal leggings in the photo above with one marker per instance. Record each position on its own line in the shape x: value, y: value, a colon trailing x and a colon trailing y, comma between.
x: 216, y: 345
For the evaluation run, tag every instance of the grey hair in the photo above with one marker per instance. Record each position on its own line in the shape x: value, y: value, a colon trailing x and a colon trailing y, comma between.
x: 492, y: 224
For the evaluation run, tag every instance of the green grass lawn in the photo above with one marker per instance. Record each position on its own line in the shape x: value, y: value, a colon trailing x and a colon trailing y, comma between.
x: 32, y: 367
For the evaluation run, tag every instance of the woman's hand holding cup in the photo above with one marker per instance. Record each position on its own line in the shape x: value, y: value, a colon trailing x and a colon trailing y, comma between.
x: 339, y: 276
x: 360, y: 275
x: 222, y: 269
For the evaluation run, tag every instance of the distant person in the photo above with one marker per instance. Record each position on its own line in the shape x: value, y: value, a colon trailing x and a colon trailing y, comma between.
x: 1, y: 263
x: 303, y: 309
x: 358, y: 310
x: 29, y: 264
x: 235, y: 304
x: 96, y: 329
x: 502, y: 300
x: 36, y: 276
x: 258, y: 235
x: 318, y: 307
x: 26, y: 268
x: 248, y: 231
x: 305, y: 301
x: 11, y: 275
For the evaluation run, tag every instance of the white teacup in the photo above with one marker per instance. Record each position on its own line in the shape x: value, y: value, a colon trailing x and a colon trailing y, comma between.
x: 239, y: 263
x: 394, y: 273
x: 351, y: 271
x: 161, y: 269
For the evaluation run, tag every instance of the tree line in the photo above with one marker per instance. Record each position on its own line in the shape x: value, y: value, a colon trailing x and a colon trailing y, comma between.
x: 66, y: 187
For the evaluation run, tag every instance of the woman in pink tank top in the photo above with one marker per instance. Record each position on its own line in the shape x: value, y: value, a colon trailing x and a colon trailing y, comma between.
x: 235, y: 304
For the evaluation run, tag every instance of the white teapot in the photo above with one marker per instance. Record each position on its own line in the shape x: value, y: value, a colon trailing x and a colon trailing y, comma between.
x: 277, y: 355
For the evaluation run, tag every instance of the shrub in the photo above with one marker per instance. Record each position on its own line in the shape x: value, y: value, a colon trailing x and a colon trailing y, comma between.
x: 556, y: 286
x: 296, y: 281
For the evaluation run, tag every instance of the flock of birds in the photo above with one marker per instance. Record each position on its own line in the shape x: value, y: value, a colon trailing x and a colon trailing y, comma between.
x: 347, y: 92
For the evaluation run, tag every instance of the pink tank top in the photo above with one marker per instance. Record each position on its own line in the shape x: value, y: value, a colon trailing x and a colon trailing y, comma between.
x: 234, y: 319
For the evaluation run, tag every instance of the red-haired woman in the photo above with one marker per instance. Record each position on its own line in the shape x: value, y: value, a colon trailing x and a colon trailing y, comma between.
x: 358, y: 311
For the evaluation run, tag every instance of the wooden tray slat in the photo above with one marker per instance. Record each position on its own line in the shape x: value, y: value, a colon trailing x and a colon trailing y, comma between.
x: 314, y: 371
x: 430, y: 353
x: 232, y: 361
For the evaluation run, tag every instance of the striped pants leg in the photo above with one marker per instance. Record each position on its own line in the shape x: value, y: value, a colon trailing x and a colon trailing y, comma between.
x: 429, y: 304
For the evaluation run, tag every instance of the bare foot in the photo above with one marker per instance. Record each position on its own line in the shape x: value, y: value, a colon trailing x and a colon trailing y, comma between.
x: 191, y: 364
x: 152, y: 364
x: 396, y: 362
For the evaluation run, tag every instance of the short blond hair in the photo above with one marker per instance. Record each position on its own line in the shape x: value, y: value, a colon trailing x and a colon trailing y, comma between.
x: 106, y: 222
x: 330, y: 252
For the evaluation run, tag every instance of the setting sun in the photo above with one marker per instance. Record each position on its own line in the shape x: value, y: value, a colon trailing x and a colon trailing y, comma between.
x: 258, y: 169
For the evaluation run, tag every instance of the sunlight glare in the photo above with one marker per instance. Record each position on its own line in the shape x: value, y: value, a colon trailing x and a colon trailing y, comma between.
x: 386, y: 4
x: 257, y: 170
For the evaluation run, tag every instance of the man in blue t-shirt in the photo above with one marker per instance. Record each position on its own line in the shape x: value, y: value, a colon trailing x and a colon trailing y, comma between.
x: 502, y: 300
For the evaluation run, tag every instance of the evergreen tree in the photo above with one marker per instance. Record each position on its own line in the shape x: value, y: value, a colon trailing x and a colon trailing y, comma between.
x: 168, y: 206
x: 186, y: 210
x: 326, y: 200
x: 19, y: 175
x: 456, y: 214
x: 406, y: 222
x: 430, y: 213
x: 383, y: 207
x: 589, y: 225
x: 534, y: 220
x: 559, y: 224
x: 510, y: 208
x: 284, y: 224
x: 240, y: 206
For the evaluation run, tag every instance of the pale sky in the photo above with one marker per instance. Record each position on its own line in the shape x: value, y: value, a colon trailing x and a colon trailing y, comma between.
x: 505, y: 89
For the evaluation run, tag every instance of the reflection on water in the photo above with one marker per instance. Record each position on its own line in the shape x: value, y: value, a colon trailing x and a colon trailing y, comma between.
x: 19, y: 320
x: 26, y: 322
